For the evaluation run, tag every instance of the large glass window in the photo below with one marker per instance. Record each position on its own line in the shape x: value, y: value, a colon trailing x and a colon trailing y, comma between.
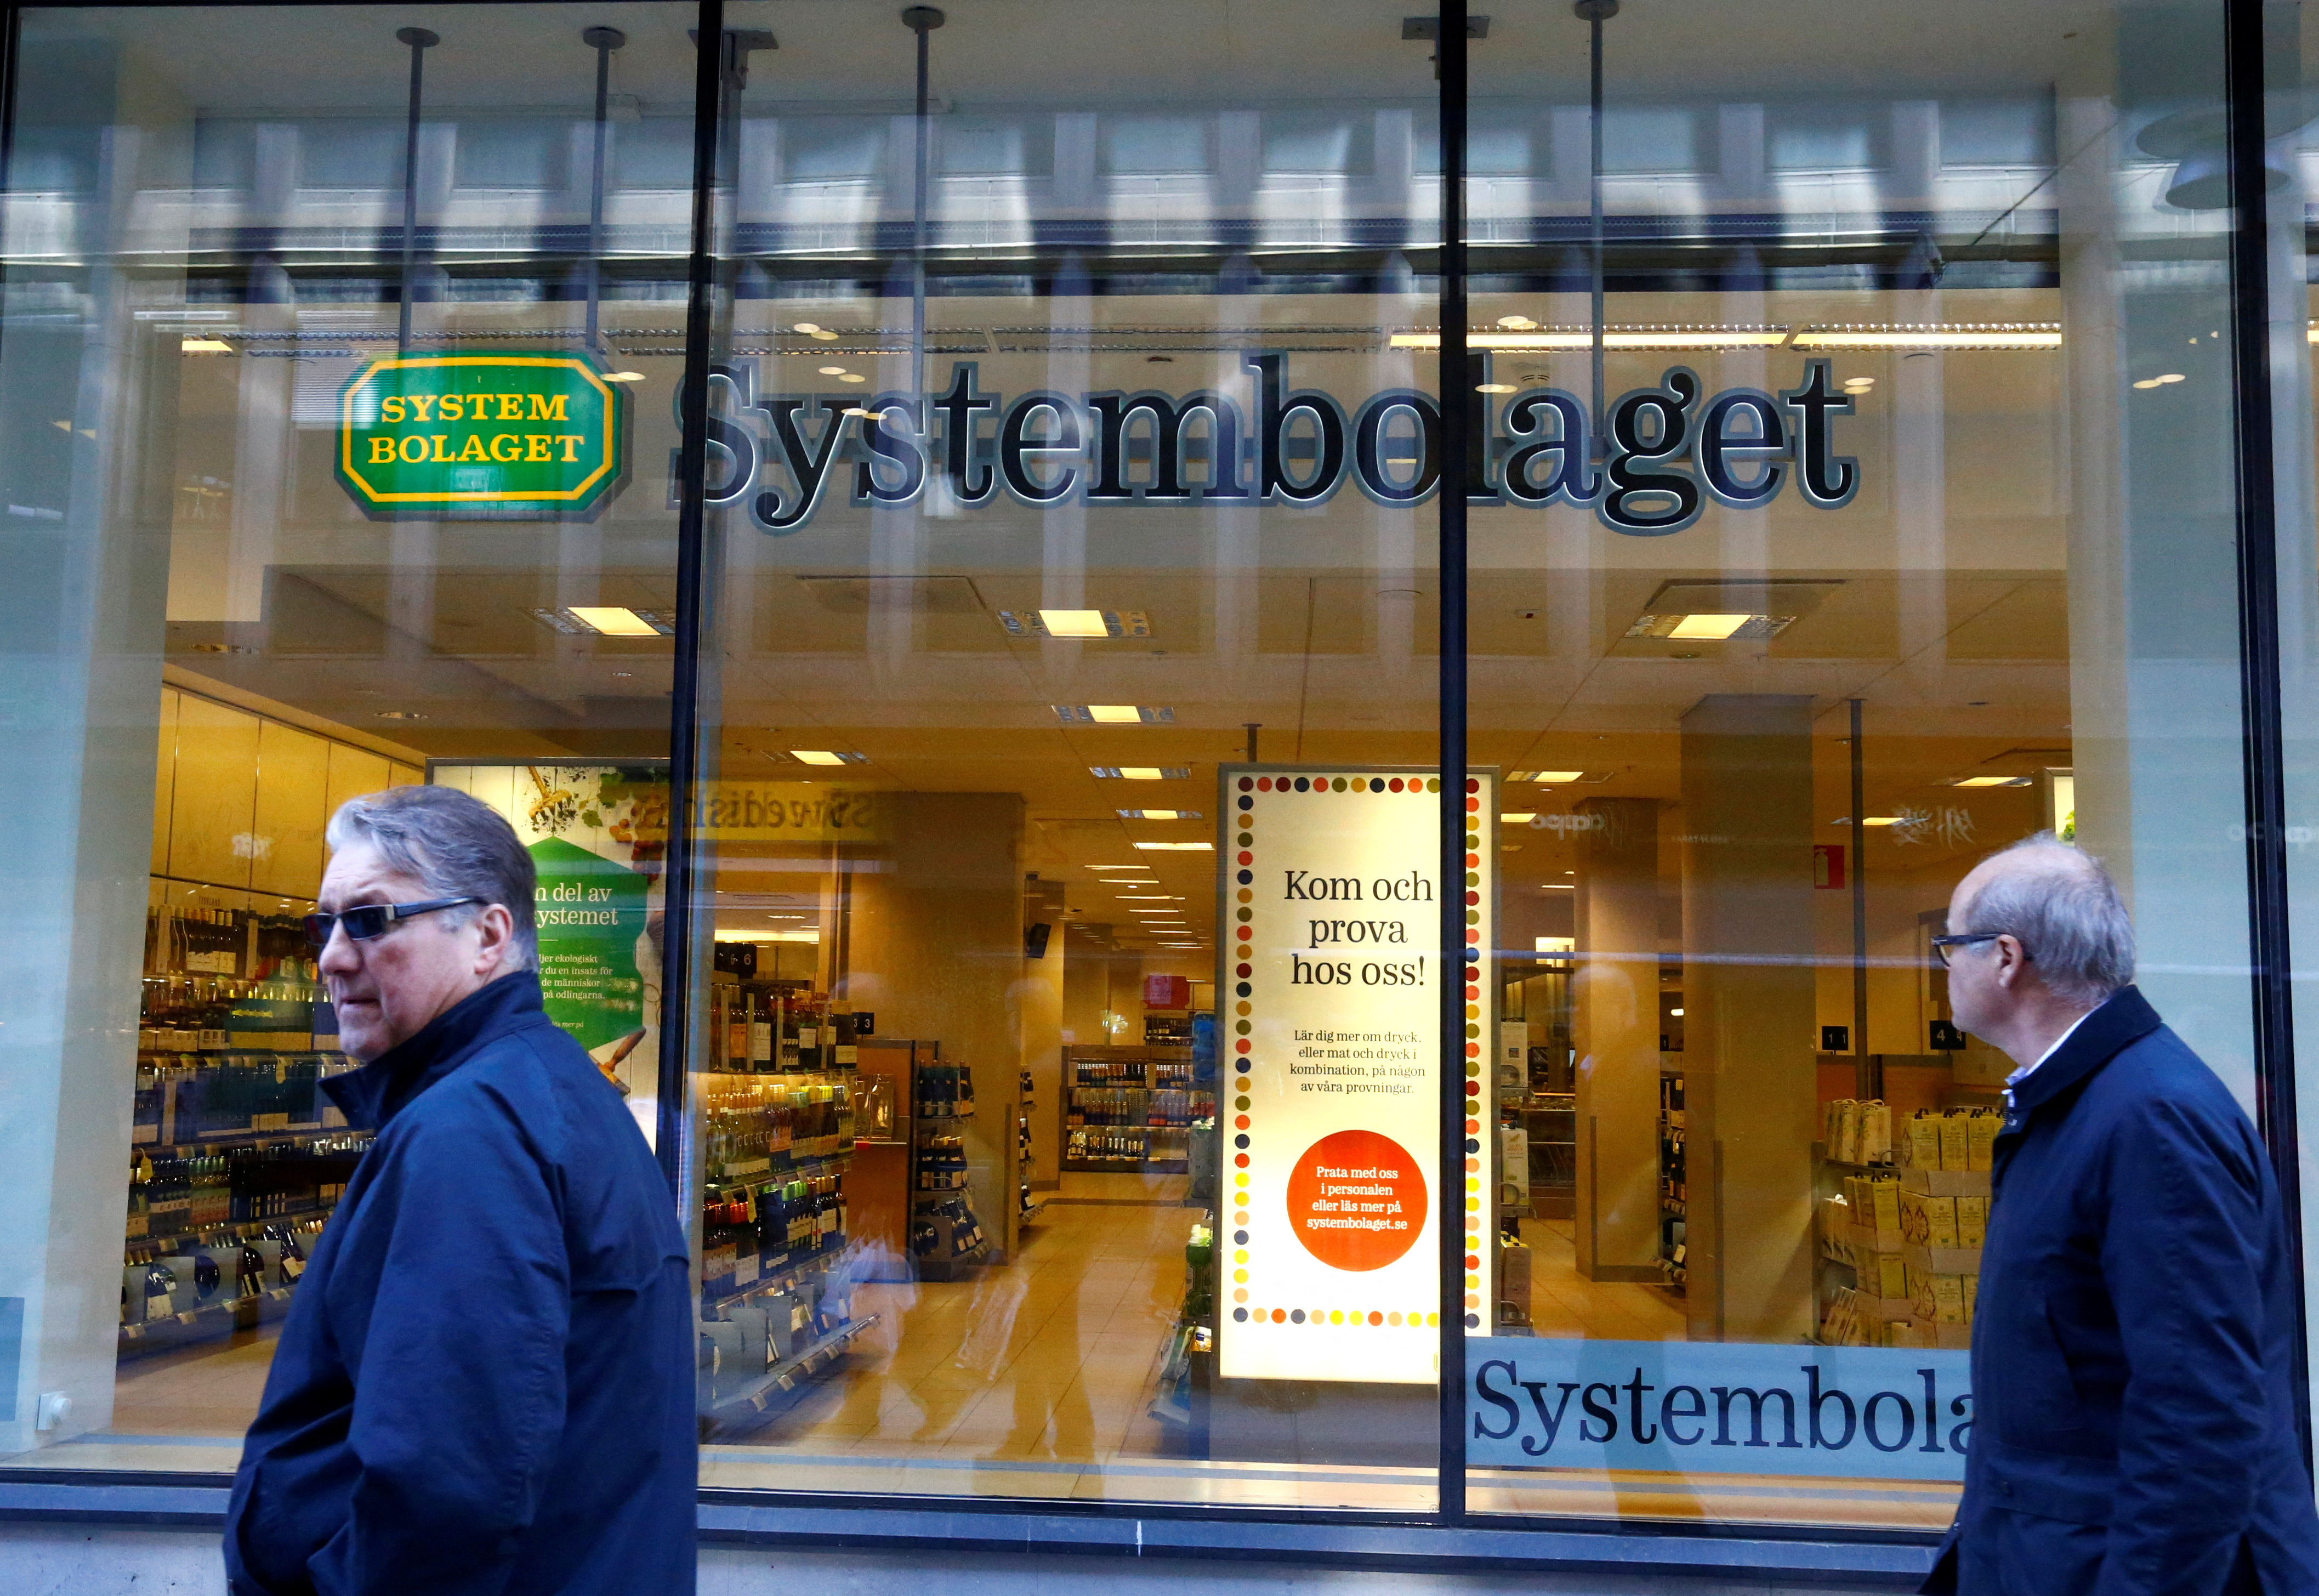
x: 1033, y: 881
x: 1863, y: 423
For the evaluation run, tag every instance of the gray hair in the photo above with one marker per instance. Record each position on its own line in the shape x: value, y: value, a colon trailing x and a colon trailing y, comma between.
x: 2062, y: 908
x: 457, y: 846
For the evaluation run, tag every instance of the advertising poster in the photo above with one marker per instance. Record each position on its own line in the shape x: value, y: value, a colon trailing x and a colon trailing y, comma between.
x: 1329, y: 984
x: 597, y: 835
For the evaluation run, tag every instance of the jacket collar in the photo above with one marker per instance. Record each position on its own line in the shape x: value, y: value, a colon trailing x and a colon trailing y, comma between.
x: 2125, y: 1019
x: 374, y: 1094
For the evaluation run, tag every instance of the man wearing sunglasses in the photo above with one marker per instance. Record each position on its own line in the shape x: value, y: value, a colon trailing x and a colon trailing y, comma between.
x: 2135, y: 1342
x: 485, y: 1384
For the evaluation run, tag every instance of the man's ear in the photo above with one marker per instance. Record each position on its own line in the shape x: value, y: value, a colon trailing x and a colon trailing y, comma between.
x: 495, y: 938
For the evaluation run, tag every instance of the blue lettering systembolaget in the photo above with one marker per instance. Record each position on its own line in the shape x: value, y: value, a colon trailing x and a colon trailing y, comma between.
x: 1666, y: 451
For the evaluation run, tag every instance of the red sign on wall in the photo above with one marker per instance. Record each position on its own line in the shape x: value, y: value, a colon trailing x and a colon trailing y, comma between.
x: 1167, y: 991
x: 1827, y: 865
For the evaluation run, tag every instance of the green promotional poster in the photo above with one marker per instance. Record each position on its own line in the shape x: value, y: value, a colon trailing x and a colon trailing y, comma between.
x: 590, y: 912
x: 598, y: 836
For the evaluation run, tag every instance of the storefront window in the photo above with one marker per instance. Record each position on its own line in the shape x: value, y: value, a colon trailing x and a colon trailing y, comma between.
x: 1908, y: 399
x: 1019, y: 923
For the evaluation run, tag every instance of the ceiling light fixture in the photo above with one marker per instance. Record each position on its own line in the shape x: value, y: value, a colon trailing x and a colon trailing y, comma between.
x: 807, y: 328
x: 827, y: 756
x: 1717, y: 627
x: 1548, y: 778
x: 1075, y: 623
x: 1523, y: 818
x: 1160, y: 815
x: 1867, y: 820
x: 1990, y: 781
x: 614, y: 620
x: 623, y: 376
x: 833, y: 371
x: 1956, y: 335
x: 1114, y: 714
x: 1140, y: 772
x: 1615, y: 338
x: 1177, y: 847
x: 203, y: 346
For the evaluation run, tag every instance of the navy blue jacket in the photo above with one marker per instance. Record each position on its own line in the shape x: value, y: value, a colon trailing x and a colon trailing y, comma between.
x: 484, y: 1386
x: 2134, y: 1362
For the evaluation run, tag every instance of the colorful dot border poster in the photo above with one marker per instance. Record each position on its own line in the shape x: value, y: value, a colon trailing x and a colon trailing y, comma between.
x: 1327, y: 987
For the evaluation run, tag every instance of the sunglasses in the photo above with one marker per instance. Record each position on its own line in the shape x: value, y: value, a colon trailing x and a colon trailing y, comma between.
x: 1963, y: 939
x: 373, y: 919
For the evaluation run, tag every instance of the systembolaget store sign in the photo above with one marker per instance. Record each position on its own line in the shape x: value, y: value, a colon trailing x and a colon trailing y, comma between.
x: 504, y: 435
x: 1666, y: 451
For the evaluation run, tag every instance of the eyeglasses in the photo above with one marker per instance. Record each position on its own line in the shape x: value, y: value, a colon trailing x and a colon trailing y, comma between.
x: 1963, y: 939
x: 373, y: 919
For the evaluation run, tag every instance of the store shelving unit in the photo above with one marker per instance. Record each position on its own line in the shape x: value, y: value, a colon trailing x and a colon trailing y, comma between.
x: 1026, y: 1154
x: 1131, y: 1109
x: 946, y: 1235
x: 1674, y: 1190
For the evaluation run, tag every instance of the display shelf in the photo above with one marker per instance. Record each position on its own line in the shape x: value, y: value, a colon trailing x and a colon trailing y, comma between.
x: 173, y: 1330
x: 766, y: 1393
x: 787, y: 1277
x: 819, y: 1164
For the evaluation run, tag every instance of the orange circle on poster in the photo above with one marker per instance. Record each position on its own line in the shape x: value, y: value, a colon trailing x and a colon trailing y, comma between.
x: 1356, y: 1200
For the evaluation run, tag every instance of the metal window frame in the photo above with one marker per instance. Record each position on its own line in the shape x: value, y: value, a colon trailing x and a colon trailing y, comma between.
x: 1447, y: 1538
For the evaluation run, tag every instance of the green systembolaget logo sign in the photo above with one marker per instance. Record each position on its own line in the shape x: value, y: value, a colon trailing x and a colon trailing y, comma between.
x: 507, y: 435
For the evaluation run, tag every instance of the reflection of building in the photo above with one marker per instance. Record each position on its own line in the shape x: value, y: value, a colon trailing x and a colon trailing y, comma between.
x: 950, y: 728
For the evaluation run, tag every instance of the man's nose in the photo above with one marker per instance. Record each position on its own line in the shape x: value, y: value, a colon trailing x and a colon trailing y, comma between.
x: 339, y: 956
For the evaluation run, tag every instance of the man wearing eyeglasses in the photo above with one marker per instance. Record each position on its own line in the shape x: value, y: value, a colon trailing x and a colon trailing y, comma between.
x: 485, y: 1384
x: 2133, y: 1345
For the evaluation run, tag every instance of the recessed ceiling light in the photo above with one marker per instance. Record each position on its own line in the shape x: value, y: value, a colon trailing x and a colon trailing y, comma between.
x: 1114, y: 714
x: 807, y: 328
x: 852, y: 377
x: 1556, y: 887
x: 833, y: 371
x: 614, y: 620
x: 203, y: 346
x: 1990, y: 781
x: 1140, y: 772
x: 1709, y: 626
x: 857, y: 411
x: 1550, y: 778
x: 1177, y: 847
x: 1160, y: 815
x: 1145, y: 897
x: 1494, y: 388
x: 1522, y: 818
x: 400, y: 715
x: 1118, y: 867
x: 826, y: 756
x: 1075, y: 623
x: 824, y: 335
x: 1518, y: 323
x: 1867, y: 820
x: 623, y: 376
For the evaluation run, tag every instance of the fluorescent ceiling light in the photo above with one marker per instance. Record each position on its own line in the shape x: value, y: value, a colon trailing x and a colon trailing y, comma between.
x: 204, y: 346
x: 768, y: 936
x: 1160, y: 815
x: 1074, y: 622
x: 1956, y: 335
x: 1557, y: 945
x: 1709, y: 626
x: 613, y: 620
x: 1676, y: 1012
x: 1126, y: 714
x: 1556, y: 887
x: 1140, y: 772
x: 833, y: 371
x: 1118, y: 867
x: 1867, y: 820
x: 1145, y: 897
x: 1549, y: 777
x: 807, y: 328
x: 1523, y: 819
x: 2160, y: 382
x: 1613, y: 338
x: 623, y: 376
x: 1177, y: 847
x: 1990, y: 781
x: 816, y: 756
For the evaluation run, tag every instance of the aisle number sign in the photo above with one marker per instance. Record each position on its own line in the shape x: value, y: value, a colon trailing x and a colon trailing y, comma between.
x: 1329, y: 991
x: 503, y: 435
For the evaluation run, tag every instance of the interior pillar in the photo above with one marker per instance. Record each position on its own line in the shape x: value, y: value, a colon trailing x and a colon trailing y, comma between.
x: 1615, y: 1030
x: 1749, y: 1064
